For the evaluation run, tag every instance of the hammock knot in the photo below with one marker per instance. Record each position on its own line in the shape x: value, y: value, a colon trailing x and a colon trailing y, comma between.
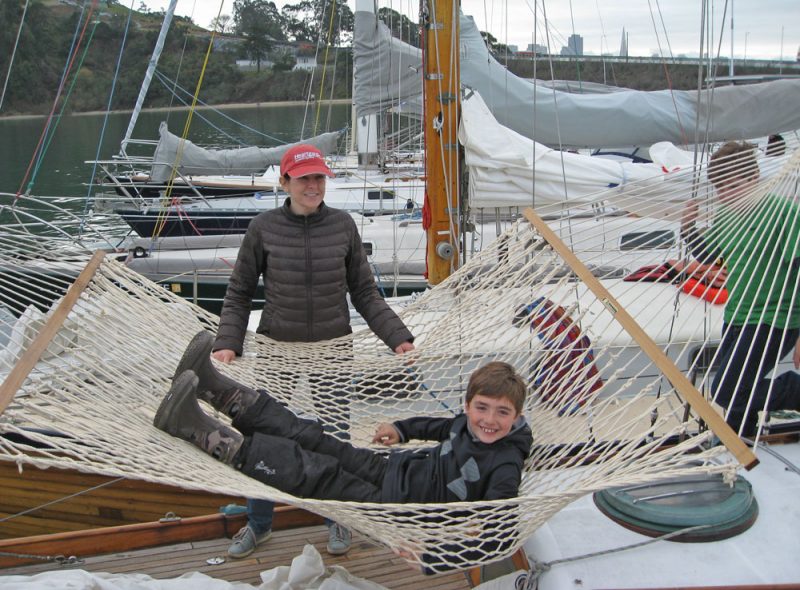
x: 729, y: 477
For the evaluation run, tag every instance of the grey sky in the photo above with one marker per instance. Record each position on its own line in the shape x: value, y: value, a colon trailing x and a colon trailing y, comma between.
x: 759, y: 25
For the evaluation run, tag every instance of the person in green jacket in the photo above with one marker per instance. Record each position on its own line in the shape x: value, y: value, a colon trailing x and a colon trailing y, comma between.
x: 757, y: 238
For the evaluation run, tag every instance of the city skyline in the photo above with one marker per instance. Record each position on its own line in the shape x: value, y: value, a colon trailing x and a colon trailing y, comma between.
x: 764, y: 29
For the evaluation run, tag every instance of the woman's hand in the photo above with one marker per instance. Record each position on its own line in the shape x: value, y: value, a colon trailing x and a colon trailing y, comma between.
x: 404, y: 347
x: 224, y: 355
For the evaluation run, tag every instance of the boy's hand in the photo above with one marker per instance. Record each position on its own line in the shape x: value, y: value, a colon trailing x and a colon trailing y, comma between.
x: 386, y: 434
x: 796, y: 355
x: 689, y: 216
x: 411, y: 558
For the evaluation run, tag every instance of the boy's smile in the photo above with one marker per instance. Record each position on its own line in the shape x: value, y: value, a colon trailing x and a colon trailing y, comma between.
x: 489, y: 418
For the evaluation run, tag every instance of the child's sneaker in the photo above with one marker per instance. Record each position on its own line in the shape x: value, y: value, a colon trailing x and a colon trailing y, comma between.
x: 339, y: 539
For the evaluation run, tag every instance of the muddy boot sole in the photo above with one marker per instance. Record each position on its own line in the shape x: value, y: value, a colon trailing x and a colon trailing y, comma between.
x: 181, y: 395
x: 197, y: 353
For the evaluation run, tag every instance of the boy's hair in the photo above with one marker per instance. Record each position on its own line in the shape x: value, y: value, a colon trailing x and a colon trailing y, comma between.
x: 776, y: 145
x: 497, y: 379
x: 735, y: 159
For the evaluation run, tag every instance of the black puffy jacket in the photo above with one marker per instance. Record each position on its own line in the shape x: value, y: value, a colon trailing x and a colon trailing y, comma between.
x: 460, y: 468
x: 308, y: 264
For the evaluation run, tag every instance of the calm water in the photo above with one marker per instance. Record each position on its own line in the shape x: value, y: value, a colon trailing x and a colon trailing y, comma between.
x: 64, y: 171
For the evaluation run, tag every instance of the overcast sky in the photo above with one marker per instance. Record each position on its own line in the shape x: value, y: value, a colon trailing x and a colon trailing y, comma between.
x: 762, y: 28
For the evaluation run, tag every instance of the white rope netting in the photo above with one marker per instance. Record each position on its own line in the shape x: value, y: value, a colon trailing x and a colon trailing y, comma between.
x: 601, y: 411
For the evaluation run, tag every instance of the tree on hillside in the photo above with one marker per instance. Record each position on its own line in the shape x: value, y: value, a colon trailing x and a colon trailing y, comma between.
x: 327, y: 22
x: 283, y: 61
x: 499, y: 50
x: 400, y: 25
x: 260, y: 23
x: 222, y: 24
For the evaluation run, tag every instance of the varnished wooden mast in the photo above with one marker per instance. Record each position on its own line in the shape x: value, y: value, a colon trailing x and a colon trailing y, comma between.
x: 441, y: 108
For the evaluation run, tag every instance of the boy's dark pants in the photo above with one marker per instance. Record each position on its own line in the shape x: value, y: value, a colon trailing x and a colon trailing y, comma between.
x: 296, y: 456
x: 742, y: 371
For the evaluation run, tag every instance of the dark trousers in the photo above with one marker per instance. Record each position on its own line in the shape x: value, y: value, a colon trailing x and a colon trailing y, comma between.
x: 261, y: 512
x: 297, y: 456
x: 746, y: 355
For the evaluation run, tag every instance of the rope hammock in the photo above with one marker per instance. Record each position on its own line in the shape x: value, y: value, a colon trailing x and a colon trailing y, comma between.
x: 605, y: 408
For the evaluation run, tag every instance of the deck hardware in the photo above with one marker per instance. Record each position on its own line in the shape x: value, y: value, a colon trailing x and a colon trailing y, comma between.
x: 444, y: 250
x: 170, y: 517
x: 610, y: 306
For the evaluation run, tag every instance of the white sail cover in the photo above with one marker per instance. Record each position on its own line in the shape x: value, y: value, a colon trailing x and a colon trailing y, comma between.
x: 507, y: 169
x: 192, y: 159
x: 562, y: 119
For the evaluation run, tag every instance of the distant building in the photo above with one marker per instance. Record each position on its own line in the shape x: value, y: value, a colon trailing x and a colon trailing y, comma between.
x: 537, y: 49
x: 305, y: 62
x: 623, y: 45
x: 574, y: 46
x: 303, y: 53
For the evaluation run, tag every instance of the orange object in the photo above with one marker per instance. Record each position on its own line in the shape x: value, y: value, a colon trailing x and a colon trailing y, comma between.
x: 715, y: 295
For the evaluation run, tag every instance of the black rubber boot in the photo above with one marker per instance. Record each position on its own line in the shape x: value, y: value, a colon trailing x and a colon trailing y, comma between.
x: 181, y: 416
x: 225, y: 394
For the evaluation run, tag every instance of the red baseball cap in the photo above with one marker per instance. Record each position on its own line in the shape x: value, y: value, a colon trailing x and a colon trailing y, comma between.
x: 302, y: 160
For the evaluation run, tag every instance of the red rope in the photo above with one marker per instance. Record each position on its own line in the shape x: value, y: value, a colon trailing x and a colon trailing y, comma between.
x: 55, y: 101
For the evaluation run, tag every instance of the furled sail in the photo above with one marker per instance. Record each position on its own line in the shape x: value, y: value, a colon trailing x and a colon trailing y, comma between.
x: 506, y: 169
x: 193, y: 159
x: 388, y: 70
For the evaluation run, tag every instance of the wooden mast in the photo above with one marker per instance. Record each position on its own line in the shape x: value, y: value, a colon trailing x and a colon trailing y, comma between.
x: 440, y: 21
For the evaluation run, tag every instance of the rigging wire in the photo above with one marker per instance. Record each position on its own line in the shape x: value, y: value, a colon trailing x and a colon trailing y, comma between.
x: 13, y: 54
x: 666, y: 68
x: 106, y: 115
x: 166, y: 81
x: 162, y: 216
x: 575, y: 49
x: 77, y: 40
x: 52, y: 130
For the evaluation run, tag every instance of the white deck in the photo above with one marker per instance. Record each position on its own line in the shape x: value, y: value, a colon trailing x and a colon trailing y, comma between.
x: 765, y: 553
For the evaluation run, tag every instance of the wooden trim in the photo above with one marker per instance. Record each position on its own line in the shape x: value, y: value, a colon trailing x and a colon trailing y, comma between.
x: 519, y: 560
x: 139, y: 536
x: 715, y: 422
x: 33, y: 353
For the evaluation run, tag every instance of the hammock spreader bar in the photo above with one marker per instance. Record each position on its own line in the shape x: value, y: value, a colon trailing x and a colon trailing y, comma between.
x: 715, y: 422
x: 39, y: 344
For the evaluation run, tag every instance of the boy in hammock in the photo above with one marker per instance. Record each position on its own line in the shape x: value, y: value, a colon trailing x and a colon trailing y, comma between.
x: 479, y: 455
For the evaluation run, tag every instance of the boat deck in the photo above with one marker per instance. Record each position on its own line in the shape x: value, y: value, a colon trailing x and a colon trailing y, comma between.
x: 366, y: 559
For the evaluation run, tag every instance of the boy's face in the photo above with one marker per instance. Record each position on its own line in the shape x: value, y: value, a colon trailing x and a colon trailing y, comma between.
x: 731, y: 189
x: 490, y: 418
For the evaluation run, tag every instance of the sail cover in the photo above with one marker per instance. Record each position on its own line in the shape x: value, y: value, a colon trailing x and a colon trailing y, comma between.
x: 387, y: 72
x: 507, y: 169
x: 563, y: 119
x: 192, y: 159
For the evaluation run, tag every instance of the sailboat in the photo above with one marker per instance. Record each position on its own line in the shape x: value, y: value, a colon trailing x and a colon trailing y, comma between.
x: 595, y: 429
